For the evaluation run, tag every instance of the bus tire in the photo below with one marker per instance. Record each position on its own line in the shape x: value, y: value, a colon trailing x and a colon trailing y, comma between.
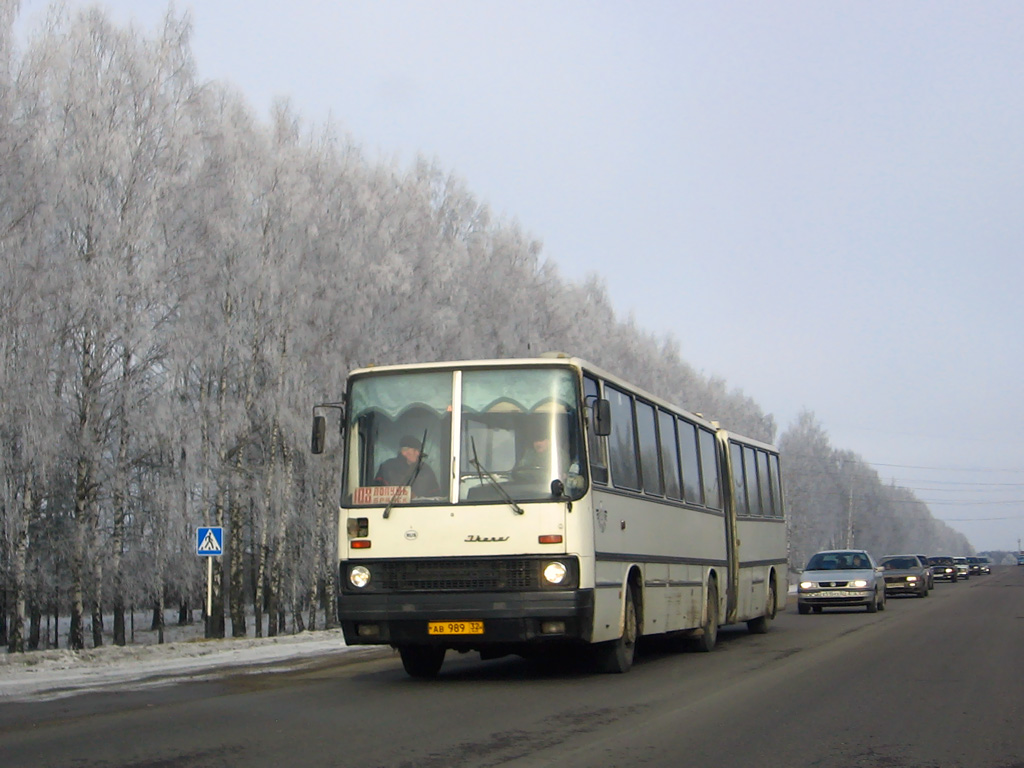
x: 761, y: 624
x: 617, y: 656
x: 709, y: 630
x: 422, y: 661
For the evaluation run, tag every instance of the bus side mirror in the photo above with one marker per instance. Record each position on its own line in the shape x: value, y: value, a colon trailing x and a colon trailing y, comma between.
x: 602, y: 418
x: 319, y: 434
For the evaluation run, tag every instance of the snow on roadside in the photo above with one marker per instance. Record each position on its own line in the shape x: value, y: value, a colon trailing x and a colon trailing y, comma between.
x: 52, y: 674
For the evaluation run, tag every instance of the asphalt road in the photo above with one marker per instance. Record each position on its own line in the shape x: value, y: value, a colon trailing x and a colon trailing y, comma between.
x: 930, y: 683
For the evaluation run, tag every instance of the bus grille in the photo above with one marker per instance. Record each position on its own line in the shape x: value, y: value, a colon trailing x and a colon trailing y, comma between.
x: 452, y: 574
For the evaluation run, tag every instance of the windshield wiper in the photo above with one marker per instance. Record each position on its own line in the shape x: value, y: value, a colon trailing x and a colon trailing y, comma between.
x: 483, y: 473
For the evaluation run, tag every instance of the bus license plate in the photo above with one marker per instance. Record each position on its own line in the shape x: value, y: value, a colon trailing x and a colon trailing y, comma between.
x: 455, y: 627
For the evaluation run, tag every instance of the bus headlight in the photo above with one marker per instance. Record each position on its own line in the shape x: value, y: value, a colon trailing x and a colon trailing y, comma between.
x: 555, y: 573
x: 359, y: 576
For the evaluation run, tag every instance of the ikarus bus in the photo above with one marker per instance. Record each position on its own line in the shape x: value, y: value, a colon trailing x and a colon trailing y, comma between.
x: 543, y: 505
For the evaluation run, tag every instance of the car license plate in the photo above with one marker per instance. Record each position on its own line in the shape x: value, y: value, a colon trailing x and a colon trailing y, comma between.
x: 455, y: 627
x: 834, y: 593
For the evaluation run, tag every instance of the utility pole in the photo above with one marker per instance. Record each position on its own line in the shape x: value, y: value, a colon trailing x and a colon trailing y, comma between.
x: 849, y: 521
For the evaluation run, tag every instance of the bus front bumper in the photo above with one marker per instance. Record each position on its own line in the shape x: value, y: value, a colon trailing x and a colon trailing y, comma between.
x: 469, y: 620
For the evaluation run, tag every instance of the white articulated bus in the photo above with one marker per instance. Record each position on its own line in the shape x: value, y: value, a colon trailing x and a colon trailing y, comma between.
x: 527, y: 506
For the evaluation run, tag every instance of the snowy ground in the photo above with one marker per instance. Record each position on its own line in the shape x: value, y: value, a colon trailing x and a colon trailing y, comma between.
x: 51, y: 674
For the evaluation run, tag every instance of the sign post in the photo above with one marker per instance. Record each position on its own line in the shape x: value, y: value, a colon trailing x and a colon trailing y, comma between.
x: 209, y: 544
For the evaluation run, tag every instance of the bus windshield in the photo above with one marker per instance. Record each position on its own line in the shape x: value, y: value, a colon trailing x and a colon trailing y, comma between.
x: 519, y: 429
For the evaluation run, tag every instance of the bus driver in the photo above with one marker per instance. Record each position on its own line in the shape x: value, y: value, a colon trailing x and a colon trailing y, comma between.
x: 408, y: 468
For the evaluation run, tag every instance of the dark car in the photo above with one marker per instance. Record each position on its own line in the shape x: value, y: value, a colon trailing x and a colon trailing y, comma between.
x: 905, y: 575
x: 944, y: 569
x: 978, y: 565
x: 928, y: 567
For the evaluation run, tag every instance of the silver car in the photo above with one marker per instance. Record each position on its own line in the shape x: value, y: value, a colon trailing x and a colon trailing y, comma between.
x: 963, y: 568
x: 841, y: 578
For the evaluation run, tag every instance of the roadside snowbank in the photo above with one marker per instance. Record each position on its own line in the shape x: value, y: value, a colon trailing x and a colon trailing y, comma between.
x: 51, y: 674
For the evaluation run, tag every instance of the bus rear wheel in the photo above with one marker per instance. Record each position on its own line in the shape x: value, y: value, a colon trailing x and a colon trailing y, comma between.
x: 422, y: 661
x: 760, y: 625
x: 617, y: 656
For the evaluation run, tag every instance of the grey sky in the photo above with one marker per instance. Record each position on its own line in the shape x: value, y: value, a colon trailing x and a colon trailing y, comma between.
x: 821, y: 201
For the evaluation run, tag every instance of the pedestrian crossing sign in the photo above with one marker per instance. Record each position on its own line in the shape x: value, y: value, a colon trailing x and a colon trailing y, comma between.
x: 209, y: 542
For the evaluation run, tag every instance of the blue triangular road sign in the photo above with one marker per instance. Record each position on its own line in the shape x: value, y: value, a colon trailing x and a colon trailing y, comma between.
x: 210, y: 541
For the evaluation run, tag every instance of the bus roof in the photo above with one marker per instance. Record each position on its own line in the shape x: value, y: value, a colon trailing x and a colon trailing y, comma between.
x: 554, y: 359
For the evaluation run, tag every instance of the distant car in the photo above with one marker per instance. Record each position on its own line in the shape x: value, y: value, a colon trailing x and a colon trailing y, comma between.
x: 928, y: 567
x: 841, y: 578
x: 905, y: 575
x: 986, y: 565
x: 943, y: 568
x: 1020, y: 559
x: 974, y: 566
x: 963, y: 570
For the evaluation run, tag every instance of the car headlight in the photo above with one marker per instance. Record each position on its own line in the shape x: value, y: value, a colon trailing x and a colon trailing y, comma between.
x: 555, y: 573
x: 911, y: 578
x: 859, y: 583
x: 359, y: 576
x: 806, y: 585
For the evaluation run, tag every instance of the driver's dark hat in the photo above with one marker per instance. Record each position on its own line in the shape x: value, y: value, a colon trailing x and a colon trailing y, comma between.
x: 411, y: 442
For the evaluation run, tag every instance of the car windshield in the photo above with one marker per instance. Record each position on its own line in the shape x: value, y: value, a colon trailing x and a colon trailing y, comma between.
x: 900, y: 563
x: 838, y: 561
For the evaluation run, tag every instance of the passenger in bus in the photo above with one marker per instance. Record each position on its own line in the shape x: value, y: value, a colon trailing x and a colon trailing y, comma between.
x: 408, y: 468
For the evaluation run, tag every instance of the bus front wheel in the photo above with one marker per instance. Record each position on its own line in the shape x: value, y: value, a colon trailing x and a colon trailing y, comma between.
x: 617, y: 655
x: 423, y: 661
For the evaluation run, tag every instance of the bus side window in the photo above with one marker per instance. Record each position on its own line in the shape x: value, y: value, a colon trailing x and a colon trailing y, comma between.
x: 693, y: 490
x: 750, y: 477
x: 739, y: 484
x: 669, y: 454
x: 622, y: 441
x: 598, y: 463
x: 776, y: 481
x: 767, y: 502
x: 709, y: 470
x: 650, y: 465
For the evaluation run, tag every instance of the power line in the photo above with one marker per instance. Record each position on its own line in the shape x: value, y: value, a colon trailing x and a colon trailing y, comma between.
x: 974, y: 519
x: 984, y: 485
x: 970, y: 503
x: 898, y: 483
x: 941, y: 469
